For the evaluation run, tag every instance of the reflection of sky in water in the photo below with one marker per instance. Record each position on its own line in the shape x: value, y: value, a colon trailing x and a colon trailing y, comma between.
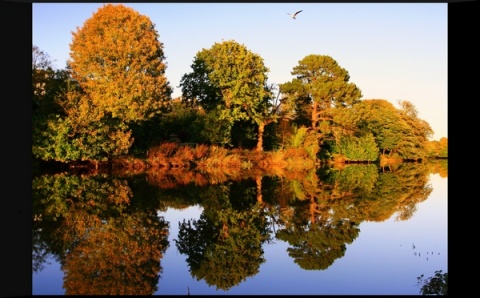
x: 381, y: 260
x: 49, y: 281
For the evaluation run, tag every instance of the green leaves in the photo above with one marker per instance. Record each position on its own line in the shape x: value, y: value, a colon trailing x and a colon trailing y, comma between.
x: 56, y: 139
x: 358, y: 148
x: 434, y: 285
x: 320, y: 85
x: 230, y: 79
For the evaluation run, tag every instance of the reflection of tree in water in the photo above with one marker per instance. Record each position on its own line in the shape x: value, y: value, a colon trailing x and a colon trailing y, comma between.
x: 323, y: 215
x: 107, y: 235
x: 106, y: 243
x: 40, y: 251
x: 319, y: 247
x: 224, y: 246
x: 317, y: 237
x: 397, y: 191
x: 415, y: 178
x: 439, y: 166
x: 120, y: 257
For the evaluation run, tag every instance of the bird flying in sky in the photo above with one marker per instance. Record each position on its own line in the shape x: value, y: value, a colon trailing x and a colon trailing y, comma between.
x: 294, y: 16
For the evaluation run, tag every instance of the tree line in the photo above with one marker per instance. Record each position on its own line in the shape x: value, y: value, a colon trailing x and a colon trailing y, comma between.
x: 113, y: 99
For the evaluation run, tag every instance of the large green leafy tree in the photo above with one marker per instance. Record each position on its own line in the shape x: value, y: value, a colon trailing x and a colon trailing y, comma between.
x: 229, y: 81
x: 48, y: 125
x: 296, y: 103
x: 396, y: 131
x: 415, y: 144
x: 382, y: 119
x: 320, y: 85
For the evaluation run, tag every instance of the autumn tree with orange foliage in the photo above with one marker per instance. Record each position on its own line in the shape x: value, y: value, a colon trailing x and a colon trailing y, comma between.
x: 117, y: 59
x: 116, y: 80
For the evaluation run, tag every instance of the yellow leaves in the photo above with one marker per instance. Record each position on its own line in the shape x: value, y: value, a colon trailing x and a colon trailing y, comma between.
x: 117, y: 59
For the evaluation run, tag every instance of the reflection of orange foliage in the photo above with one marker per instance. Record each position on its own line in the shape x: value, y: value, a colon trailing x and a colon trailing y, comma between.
x: 385, y: 160
x: 117, y: 257
x: 443, y: 173
x: 121, y: 193
x: 129, y: 165
x: 399, y: 194
x: 165, y: 178
x: 171, y: 178
x: 439, y: 167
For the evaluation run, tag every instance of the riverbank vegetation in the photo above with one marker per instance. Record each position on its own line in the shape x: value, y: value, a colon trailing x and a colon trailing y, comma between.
x: 112, y: 106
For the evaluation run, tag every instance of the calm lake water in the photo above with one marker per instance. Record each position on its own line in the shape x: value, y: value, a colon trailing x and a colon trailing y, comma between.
x: 361, y: 230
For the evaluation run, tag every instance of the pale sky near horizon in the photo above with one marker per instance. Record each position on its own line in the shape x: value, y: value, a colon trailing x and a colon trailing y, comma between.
x: 392, y: 51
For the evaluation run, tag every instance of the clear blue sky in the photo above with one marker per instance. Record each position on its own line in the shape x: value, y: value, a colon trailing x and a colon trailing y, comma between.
x: 392, y: 51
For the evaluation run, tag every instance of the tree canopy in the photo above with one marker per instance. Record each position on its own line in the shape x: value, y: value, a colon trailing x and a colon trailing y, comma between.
x: 114, y: 99
x: 230, y: 81
x: 322, y: 84
x: 117, y: 59
x: 115, y: 78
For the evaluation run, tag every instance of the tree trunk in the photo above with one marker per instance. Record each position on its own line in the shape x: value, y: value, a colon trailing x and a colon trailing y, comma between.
x: 314, y: 114
x: 261, y: 128
x: 258, y: 181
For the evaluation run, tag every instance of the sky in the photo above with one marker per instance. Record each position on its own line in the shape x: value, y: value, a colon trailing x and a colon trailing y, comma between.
x: 392, y: 51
